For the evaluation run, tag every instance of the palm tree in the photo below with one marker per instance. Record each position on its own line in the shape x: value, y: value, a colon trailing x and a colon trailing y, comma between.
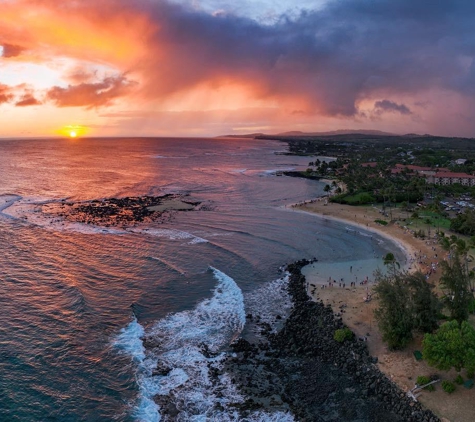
x: 390, y: 261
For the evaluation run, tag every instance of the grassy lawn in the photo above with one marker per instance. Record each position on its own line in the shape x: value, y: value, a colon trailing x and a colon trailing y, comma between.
x: 436, y: 220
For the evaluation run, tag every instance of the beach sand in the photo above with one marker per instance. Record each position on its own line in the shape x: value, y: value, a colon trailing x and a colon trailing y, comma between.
x: 358, y: 314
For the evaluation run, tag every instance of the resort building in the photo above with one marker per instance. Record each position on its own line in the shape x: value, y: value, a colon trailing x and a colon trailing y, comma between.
x: 437, y: 176
x: 449, y: 178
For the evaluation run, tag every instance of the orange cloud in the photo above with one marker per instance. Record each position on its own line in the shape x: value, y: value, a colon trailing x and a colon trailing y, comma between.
x: 90, y: 94
x: 27, y: 100
x: 10, y: 50
x: 95, y: 31
x: 5, y: 95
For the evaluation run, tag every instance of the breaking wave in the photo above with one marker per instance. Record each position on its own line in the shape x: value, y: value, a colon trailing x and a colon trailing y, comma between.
x: 180, y: 372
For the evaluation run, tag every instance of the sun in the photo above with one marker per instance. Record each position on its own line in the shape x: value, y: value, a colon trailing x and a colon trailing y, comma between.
x: 73, y: 131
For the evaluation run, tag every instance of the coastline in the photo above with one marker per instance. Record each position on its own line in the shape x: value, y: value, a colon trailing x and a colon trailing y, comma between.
x: 360, y: 220
x: 349, y: 304
x: 304, y: 369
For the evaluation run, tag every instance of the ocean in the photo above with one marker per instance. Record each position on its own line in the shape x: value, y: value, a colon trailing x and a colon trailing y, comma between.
x: 80, y: 303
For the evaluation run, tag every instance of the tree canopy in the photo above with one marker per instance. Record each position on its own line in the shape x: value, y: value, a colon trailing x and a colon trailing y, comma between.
x: 455, y: 281
x: 452, y: 346
x: 464, y: 223
x: 406, y: 303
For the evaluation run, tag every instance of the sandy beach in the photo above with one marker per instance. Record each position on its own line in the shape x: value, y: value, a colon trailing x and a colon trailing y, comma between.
x: 358, y: 313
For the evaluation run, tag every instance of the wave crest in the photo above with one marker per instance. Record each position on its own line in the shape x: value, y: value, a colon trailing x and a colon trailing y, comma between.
x: 180, y: 374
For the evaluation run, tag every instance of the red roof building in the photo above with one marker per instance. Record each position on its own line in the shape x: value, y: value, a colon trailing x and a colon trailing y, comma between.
x: 449, y: 178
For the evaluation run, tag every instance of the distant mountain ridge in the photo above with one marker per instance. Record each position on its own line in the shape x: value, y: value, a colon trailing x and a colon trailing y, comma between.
x: 338, y: 132
x: 328, y: 133
x: 333, y: 133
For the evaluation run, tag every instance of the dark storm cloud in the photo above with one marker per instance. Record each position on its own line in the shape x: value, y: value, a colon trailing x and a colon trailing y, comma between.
x: 389, y: 106
x: 349, y: 50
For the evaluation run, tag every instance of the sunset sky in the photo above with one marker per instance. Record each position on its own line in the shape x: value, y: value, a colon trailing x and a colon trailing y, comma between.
x: 209, y: 67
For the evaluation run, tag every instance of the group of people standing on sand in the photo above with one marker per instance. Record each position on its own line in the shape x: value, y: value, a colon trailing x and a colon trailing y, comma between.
x: 428, y: 265
x: 342, y: 283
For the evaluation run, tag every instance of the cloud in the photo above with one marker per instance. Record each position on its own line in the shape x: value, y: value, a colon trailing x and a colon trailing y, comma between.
x: 326, y: 61
x: 5, y: 94
x: 90, y: 94
x: 27, y: 100
x: 384, y: 106
x: 330, y: 59
x: 10, y: 50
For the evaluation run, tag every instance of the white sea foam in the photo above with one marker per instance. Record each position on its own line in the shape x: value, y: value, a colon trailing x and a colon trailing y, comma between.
x: 62, y: 225
x: 179, y: 340
x: 269, y: 301
x: 168, y: 264
x: 171, y: 234
x: 215, y: 321
x: 7, y: 201
x: 27, y: 210
x: 130, y: 341
x: 241, y: 171
x: 272, y: 172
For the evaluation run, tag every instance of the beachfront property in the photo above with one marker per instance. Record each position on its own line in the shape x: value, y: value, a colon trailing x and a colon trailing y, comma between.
x: 437, y: 176
x: 449, y: 178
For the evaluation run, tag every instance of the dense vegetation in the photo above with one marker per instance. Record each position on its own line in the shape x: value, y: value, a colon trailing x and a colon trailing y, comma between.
x: 452, y: 346
x: 424, y: 150
x: 464, y: 223
x: 406, y: 303
x: 369, y: 180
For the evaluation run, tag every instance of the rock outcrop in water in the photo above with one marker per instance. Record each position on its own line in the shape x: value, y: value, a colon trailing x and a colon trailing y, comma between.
x: 303, y: 369
x: 123, y: 212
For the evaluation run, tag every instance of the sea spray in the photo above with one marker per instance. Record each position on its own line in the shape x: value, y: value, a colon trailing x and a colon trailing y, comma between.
x: 269, y: 303
x: 180, y: 376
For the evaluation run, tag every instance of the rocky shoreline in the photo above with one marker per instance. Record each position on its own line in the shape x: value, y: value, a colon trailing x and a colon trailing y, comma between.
x: 303, y: 369
x: 302, y: 175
